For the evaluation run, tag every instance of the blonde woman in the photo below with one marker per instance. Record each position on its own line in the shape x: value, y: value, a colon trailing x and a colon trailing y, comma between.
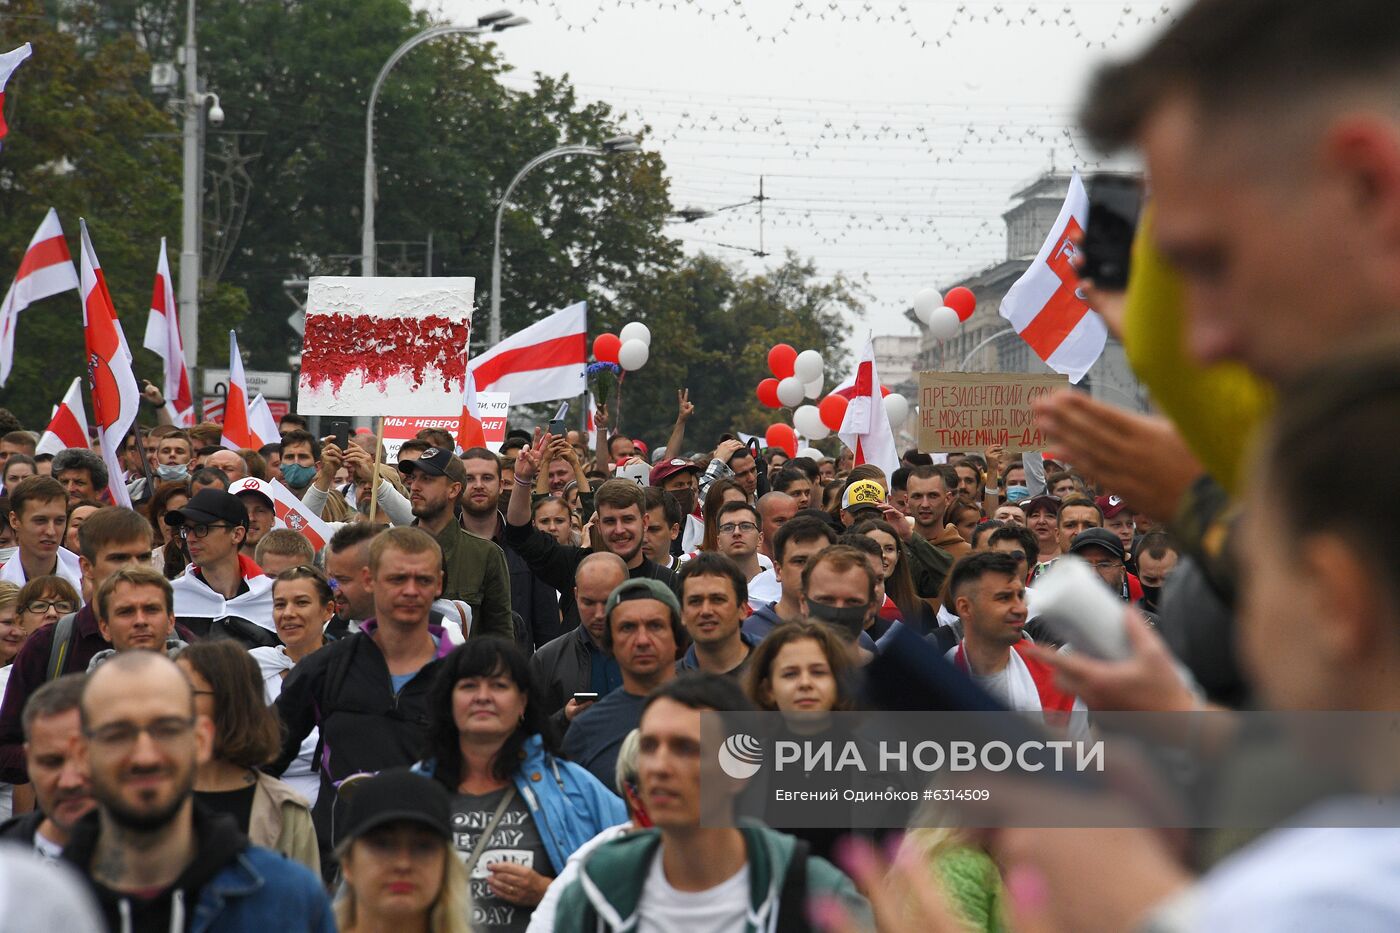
x: 401, y: 871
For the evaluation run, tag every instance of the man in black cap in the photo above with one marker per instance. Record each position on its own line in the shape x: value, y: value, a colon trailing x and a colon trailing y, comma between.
x: 1103, y: 551
x: 223, y: 593
x: 474, y: 569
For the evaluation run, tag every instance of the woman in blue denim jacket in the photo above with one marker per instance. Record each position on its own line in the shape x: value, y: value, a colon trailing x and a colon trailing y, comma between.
x: 518, y: 811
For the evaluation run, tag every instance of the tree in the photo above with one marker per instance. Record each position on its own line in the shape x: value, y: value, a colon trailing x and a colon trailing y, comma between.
x: 86, y: 140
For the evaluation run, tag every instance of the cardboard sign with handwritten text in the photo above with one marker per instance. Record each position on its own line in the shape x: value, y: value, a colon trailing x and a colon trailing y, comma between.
x: 972, y: 411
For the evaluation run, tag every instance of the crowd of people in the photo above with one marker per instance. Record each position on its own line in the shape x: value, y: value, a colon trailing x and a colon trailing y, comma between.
x: 478, y: 705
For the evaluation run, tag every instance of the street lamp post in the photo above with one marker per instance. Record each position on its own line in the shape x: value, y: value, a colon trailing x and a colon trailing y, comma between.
x: 192, y: 194
x: 491, y: 22
x: 617, y: 144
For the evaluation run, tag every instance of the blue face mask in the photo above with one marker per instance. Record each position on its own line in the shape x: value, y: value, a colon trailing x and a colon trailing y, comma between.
x: 298, y: 476
x: 173, y: 472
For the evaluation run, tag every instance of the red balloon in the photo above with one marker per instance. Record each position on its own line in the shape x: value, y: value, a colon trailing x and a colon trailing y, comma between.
x: 605, y: 347
x: 781, y: 436
x: 884, y: 390
x: 768, y: 393
x: 833, y: 411
x: 781, y: 359
x: 962, y: 301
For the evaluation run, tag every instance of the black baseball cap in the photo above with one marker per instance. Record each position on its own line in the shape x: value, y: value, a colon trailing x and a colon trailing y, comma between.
x: 207, y: 507
x: 435, y: 461
x: 1100, y: 538
x: 397, y: 796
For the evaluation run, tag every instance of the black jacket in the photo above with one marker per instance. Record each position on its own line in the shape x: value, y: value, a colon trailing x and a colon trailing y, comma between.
x: 21, y: 829
x: 562, y: 668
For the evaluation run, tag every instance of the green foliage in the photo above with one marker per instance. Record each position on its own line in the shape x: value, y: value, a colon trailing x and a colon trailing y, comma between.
x: 82, y: 140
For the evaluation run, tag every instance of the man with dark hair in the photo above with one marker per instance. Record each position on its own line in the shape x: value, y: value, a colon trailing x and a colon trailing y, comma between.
x: 643, y: 633
x: 299, y: 456
x: 1102, y: 551
x: 1019, y: 542
x: 208, y: 478
x: 62, y: 795
x: 621, y: 522
x: 174, y: 456
x: 39, y: 518
x: 272, y: 455
x: 16, y: 442
x: 713, y: 597
x: 899, y: 489
x: 739, y: 537
x: 796, y: 484
x: 1157, y: 559
x: 347, y: 563
x: 222, y: 593
x: 1077, y: 514
x: 575, y: 662
x: 291, y: 422
x: 474, y: 568
x: 794, y: 544
x: 262, y: 514
x: 681, y: 478
x: 838, y: 588
x: 412, y: 449
x: 663, y: 527
x: 135, y: 612
x: 931, y: 490
x: 685, y: 876
x: 82, y: 473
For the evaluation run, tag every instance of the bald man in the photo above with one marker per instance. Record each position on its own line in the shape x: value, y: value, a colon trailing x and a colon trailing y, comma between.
x: 228, y: 461
x: 574, y: 665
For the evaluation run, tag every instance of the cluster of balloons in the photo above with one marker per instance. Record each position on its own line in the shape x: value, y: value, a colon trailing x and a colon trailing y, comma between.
x: 629, y: 348
x: 942, y: 314
x: 784, y: 438
x: 795, y: 376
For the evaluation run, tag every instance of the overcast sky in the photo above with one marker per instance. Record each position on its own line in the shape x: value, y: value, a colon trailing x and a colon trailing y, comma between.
x: 890, y: 133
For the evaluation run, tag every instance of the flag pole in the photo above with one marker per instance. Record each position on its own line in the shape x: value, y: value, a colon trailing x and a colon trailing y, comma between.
x: 374, y: 478
x: 145, y: 461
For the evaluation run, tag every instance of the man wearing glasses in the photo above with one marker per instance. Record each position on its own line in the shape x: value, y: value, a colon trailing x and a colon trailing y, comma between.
x: 223, y: 593
x: 740, y: 538
x: 152, y: 856
x: 1103, y: 551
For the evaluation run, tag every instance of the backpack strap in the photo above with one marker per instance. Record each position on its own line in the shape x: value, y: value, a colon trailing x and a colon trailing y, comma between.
x: 61, y: 646
x: 792, y: 902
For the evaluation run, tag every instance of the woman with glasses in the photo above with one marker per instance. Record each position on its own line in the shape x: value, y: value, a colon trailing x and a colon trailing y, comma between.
x: 302, y: 605
x: 44, y: 600
x: 228, y: 691
x: 490, y: 748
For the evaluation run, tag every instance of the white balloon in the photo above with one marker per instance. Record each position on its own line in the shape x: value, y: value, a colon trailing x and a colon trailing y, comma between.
x: 808, y: 366
x: 897, y: 408
x: 810, y: 452
x: 926, y: 300
x: 791, y: 392
x: 635, y: 331
x: 923, y: 314
x: 633, y: 355
x: 943, y: 323
x: 807, y: 419
x: 814, y: 388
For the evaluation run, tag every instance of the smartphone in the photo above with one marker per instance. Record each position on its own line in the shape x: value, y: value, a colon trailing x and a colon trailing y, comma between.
x: 337, y: 429
x: 1115, y: 201
x: 585, y: 697
x: 556, y: 424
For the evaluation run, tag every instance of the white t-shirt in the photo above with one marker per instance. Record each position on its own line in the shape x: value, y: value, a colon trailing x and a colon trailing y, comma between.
x: 720, y: 909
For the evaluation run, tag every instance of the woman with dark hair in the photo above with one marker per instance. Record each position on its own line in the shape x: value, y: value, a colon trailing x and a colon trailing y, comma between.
x: 228, y: 691
x: 963, y: 515
x: 491, y: 746
x: 169, y: 554
x: 899, y: 581
x: 720, y: 492
x: 18, y: 467
x: 78, y: 513
x: 551, y: 515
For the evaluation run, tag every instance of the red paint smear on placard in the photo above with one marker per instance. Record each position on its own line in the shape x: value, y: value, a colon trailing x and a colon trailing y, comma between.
x: 379, y: 349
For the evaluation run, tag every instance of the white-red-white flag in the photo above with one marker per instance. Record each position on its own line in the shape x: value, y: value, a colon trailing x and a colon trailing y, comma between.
x: 163, y: 338
x: 470, y: 432
x: 9, y: 61
x: 237, y: 433
x: 866, y: 427
x: 1046, y: 306
x: 46, y: 269
x: 261, y: 423
x: 291, y: 512
x: 541, y: 363
x: 115, y: 394
x: 69, y: 425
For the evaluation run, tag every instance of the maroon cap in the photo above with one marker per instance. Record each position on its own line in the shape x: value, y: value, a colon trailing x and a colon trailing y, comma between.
x: 1111, y: 506
x: 669, y: 468
x: 1042, y: 501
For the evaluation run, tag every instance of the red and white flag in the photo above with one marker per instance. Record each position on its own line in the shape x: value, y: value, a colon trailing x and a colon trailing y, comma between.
x: 1046, y: 307
x: 541, y: 363
x: 237, y: 433
x: 470, y: 432
x: 46, y: 269
x: 261, y: 423
x: 866, y: 427
x: 69, y: 425
x: 291, y: 512
x: 163, y: 338
x: 115, y: 394
x: 9, y: 61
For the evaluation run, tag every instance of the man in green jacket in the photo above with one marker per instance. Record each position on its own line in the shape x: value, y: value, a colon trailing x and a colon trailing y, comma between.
x: 681, y: 875
x: 474, y: 569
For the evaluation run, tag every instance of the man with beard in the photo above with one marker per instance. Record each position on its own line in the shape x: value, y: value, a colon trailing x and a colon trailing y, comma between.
x: 621, y: 518
x: 474, y: 569
x: 536, y: 602
x: 152, y: 856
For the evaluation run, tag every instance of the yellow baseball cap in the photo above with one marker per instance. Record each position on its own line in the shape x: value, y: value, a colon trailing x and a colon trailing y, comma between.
x: 863, y: 493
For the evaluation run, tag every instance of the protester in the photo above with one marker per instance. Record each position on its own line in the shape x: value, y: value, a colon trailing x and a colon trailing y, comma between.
x: 1077, y: 514
x: 40, y: 602
x: 151, y: 855
x: 522, y: 811
x: 643, y: 632
x: 1010, y: 512
x: 1157, y: 559
x: 737, y: 536
x: 168, y: 556
x: 135, y: 613
x: 282, y: 549
x: 222, y: 593
x: 1103, y: 551
x: 551, y: 516
x: 302, y: 606
x: 400, y: 868
x: 963, y: 517
x: 18, y: 467
x: 899, y: 583
x: 62, y: 795
x: 347, y: 564
x: 774, y: 510
x: 262, y: 518
x: 576, y: 663
x: 661, y: 537
x: 81, y: 473
x: 39, y: 516
x: 682, y: 874
x: 13, y: 631
x: 839, y: 589
x: 796, y: 484
x: 1118, y: 518
x: 793, y: 546
x: 78, y: 513
x: 714, y: 598
x: 230, y: 463
x: 802, y: 667
x: 681, y: 478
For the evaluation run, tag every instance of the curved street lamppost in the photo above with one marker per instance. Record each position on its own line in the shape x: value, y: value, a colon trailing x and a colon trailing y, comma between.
x: 498, y: 21
x: 615, y: 145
